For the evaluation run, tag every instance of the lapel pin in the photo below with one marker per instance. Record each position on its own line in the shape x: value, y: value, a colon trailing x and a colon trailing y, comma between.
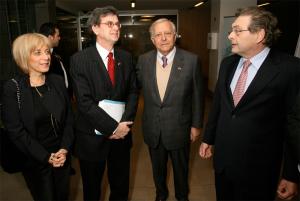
x: 179, y: 68
x: 119, y: 63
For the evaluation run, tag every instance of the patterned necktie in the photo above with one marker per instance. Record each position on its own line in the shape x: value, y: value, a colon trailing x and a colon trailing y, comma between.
x: 111, y: 68
x: 241, y: 83
x: 165, y: 61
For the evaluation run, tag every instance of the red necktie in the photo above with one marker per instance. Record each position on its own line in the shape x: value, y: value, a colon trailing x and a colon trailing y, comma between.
x: 111, y: 68
x: 239, y: 89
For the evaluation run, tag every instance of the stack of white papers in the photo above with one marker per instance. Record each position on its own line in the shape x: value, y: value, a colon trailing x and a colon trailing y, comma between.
x: 114, y: 109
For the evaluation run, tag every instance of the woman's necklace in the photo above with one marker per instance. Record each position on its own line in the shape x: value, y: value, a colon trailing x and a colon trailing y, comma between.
x: 39, y: 93
x: 37, y: 80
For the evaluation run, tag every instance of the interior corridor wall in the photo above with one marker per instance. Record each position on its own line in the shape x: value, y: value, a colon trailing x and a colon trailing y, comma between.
x: 194, y: 25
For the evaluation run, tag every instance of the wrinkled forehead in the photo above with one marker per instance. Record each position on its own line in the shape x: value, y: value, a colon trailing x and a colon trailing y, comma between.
x: 165, y: 26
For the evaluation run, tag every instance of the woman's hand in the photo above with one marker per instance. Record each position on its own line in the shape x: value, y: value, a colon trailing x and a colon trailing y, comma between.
x: 58, y: 159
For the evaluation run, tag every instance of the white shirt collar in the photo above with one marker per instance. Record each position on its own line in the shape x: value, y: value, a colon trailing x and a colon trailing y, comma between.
x: 257, y: 60
x: 170, y: 56
x: 103, y: 53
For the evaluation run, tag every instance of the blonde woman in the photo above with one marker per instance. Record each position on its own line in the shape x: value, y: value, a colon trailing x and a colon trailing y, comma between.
x: 40, y: 123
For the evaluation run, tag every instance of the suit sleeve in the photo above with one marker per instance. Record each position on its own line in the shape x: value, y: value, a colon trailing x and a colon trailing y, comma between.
x: 290, y: 168
x: 139, y: 72
x: 14, y: 125
x: 211, y: 125
x: 85, y: 101
x: 292, y: 149
x: 198, y: 94
x: 68, y: 133
x: 132, y: 94
x: 293, y: 126
x: 292, y: 146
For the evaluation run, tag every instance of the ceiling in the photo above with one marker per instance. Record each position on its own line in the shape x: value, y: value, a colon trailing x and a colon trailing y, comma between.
x: 74, y: 6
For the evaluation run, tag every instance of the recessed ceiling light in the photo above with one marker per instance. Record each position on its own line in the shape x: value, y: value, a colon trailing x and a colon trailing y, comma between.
x: 199, y: 4
x: 145, y: 20
x: 132, y: 3
x: 147, y: 16
x: 264, y: 4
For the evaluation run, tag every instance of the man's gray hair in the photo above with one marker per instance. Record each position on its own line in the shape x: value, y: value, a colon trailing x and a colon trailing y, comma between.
x: 151, y: 29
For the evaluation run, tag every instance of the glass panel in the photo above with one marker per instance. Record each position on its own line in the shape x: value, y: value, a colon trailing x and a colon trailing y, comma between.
x: 134, y: 36
x: 68, y: 44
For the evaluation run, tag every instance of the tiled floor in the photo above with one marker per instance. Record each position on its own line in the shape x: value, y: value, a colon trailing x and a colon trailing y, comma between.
x: 12, y: 186
x: 141, y: 187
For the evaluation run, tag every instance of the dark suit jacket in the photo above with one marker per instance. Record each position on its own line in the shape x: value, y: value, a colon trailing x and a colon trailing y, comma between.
x: 294, y: 128
x: 182, y: 107
x: 55, y: 66
x: 249, y: 138
x: 91, y: 84
x: 20, y: 123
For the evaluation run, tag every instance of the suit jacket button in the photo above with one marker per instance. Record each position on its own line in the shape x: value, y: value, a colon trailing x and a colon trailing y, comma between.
x: 233, y: 116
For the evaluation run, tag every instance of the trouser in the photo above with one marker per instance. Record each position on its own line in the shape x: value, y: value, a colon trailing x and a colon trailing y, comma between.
x: 47, y: 183
x: 118, y: 163
x: 180, y: 163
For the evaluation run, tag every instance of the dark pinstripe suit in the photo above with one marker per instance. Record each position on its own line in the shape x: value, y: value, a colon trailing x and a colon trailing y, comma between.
x: 92, y: 84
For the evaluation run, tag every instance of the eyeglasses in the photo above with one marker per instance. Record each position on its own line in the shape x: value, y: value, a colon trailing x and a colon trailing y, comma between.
x: 237, y: 31
x: 111, y: 24
x: 165, y: 34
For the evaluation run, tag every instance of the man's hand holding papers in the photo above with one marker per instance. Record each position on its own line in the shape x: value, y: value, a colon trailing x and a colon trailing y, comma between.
x: 122, y: 130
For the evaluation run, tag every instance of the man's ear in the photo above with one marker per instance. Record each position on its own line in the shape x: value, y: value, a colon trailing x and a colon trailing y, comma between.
x: 94, y: 29
x: 50, y: 37
x: 261, y: 34
x: 152, y: 39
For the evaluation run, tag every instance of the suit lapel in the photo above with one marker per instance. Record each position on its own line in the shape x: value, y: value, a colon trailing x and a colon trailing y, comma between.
x: 100, y: 66
x: 27, y: 107
x: 264, y: 75
x: 151, y: 72
x: 231, y: 68
x: 177, y: 66
x: 119, y: 70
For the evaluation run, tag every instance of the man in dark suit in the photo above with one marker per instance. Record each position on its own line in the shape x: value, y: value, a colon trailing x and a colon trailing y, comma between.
x: 51, y: 31
x: 246, y: 124
x: 104, y: 73
x: 171, y: 82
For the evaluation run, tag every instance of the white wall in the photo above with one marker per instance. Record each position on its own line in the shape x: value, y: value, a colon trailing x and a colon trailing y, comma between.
x: 219, y: 10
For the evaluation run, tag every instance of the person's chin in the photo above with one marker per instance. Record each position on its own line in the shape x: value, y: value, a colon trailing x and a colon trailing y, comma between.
x: 166, y: 49
x: 234, y: 50
x: 115, y: 37
x: 114, y: 40
x: 45, y: 70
